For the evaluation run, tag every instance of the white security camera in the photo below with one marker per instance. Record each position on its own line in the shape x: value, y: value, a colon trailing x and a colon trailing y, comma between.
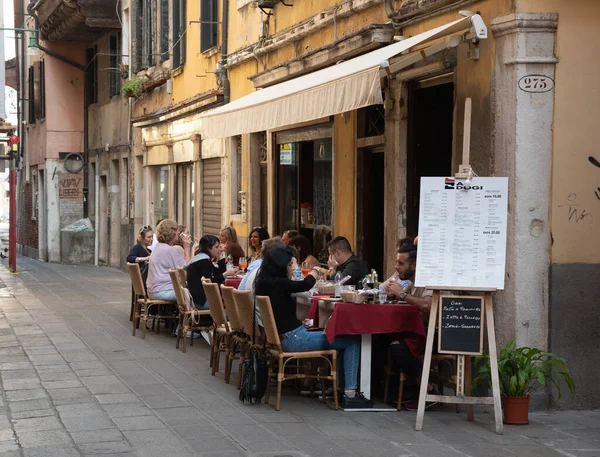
x: 478, y: 27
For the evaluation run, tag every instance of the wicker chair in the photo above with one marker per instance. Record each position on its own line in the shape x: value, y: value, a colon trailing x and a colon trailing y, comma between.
x: 142, y: 300
x: 283, y: 358
x: 187, y: 319
x: 238, y: 340
x: 222, y: 331
x: 245, y: 310
x: 182, y: 276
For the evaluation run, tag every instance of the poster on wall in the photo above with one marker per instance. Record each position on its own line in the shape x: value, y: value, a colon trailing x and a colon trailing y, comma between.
x: 286, y: 154
x: 462, y: 233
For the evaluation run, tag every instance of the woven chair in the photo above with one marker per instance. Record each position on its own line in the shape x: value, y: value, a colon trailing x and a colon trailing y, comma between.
x: 182, y: 276
x: 283, y: 358
x: 187, y: 318
x: 238, y: 340
x: 222, y: 331
x: 142, y: 300
x: 245, y: 311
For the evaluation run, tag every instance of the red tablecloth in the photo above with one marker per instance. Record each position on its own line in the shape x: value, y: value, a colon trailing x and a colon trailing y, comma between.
x: 233, y: 282
x: 352, y: 319
x: 313, y: 312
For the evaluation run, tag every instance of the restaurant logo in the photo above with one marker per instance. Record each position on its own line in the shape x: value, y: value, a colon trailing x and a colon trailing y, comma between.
x: 450, y: 183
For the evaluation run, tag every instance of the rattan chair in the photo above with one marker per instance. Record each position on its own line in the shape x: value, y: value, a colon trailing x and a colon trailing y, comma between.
x: 245, y: 311
x: 238, y: 340
x: 187, y: 318
x: 283, y: 358
x: 182, y: 272
x: 142, y: 300
x: 222, y: 331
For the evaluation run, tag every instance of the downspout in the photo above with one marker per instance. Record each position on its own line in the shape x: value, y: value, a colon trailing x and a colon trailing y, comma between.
x: 224, y: 39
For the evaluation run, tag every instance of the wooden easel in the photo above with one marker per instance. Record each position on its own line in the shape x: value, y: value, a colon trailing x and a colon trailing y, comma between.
x: 463, y: 366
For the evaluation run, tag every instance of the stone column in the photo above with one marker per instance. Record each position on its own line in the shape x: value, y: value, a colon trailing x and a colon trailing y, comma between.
x: 522, y: 150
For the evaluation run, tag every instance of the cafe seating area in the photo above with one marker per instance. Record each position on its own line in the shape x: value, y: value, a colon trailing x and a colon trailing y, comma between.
x: 231, y: 328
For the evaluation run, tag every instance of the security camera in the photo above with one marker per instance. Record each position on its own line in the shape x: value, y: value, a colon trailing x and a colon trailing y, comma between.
x: 478, y: 27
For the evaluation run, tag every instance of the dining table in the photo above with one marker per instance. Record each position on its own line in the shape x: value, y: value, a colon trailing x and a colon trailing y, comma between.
x: 234, y: 282
x: 367, y: 320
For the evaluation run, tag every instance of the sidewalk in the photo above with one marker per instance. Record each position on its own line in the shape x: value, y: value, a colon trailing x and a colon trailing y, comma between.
x: 76, y: 383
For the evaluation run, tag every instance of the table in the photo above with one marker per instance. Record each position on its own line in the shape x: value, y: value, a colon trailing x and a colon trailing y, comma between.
x: 367, y: 320
x: 233, y: 282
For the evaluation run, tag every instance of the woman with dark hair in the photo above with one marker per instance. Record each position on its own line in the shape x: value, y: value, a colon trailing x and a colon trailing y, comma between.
x: 302, y: 246
x: 273, y: 280
x: 205, y: 265
x: 257, y: 236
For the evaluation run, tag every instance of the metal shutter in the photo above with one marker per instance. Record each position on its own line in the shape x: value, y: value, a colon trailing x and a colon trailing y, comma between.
x: 211, y: 193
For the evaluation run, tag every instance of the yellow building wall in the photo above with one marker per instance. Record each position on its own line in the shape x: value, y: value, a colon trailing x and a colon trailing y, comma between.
x: 575, y: 179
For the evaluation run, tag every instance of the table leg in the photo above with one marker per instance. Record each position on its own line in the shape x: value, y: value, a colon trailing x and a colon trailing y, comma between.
x: 365, y: 365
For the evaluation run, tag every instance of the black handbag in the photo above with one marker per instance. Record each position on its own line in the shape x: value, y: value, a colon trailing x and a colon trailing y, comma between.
x: 256, y: 374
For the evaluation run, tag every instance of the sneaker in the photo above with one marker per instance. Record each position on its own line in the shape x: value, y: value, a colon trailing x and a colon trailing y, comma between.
x: 357, y: 402
x: 317, y: 390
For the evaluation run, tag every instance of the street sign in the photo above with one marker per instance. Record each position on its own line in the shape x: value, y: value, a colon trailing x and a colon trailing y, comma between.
x: 14, y: 139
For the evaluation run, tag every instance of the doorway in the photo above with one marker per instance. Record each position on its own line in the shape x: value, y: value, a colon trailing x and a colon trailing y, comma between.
x: 103, y: 215
x: 430, y: 115
x: 370, y: 207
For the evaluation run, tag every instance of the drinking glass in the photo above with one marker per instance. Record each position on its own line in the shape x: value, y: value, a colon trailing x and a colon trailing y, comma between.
x: 382, y: 297
x: 306, y: 269
x: 243, y: 263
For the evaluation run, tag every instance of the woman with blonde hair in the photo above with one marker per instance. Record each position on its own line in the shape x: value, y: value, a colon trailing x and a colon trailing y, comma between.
x: 229, y: 243
x: 140, y: 252
x: 166, y: 257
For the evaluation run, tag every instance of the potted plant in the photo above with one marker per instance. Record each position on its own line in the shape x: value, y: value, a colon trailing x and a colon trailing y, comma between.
x: 134, y: 87
x: 521, y: 372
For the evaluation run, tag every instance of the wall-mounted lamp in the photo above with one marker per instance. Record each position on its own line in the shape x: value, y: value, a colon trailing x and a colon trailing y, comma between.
x: 33, y: 42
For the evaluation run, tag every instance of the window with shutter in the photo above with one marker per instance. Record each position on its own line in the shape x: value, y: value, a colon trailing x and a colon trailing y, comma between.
x: 148, y: 33
x: 178, y: 33
x: 208, y: 24
x: 30, y: 96
x: 42, y: 90
x: 164, y: 28
x: 138, y: 23
x: 91, y: 75
x: 37, y: 90
x: 115, y: 77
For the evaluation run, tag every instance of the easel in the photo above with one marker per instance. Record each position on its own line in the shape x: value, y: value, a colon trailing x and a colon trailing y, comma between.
x: 463, y: 366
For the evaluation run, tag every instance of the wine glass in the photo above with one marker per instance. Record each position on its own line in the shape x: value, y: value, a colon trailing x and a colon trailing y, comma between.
x: 243, y: 263
x: 306, y: 269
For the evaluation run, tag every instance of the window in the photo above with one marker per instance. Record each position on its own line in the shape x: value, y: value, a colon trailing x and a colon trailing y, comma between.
x: 178, y: 31
x: 236, y: 175
x: 161, y: 193
x: 31, y: 96
x: 208, y: 24
x: 91, y: 75
x: 34, y: 195
x: 148, y: 33
x: 164, y: 28
x: 42, y: 86
x: 115, y: 76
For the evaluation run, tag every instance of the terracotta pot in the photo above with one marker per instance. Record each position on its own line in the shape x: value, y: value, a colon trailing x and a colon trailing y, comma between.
x: 516, y: 410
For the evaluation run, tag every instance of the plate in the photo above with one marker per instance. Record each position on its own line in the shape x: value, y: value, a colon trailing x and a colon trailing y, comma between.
x: 331, y: 299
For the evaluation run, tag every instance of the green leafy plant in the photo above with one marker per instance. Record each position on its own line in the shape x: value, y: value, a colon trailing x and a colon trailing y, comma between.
x: 133, y: 87
x: 523, y: 370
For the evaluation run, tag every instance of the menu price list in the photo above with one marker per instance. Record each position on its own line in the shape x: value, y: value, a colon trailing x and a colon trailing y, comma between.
x: 460, y: 324
x: 462, y: 232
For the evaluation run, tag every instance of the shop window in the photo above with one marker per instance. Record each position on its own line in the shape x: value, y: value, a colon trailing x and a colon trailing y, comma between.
x: 115, y: 75
x: 236, y: 175
x: 209, y: 24
x: 161, y: 193
x: 178, y: 31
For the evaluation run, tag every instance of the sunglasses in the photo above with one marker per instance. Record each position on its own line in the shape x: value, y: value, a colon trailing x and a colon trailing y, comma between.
x: 146, y: 228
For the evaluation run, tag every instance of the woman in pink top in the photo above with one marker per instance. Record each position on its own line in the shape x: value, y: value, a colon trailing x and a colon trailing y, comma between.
x: 165, y: 257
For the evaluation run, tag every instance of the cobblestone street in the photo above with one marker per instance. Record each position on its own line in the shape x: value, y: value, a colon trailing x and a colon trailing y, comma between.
x: 76, y: 383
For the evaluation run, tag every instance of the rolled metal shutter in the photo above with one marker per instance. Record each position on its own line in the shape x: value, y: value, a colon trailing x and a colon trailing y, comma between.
x: 211, y: 192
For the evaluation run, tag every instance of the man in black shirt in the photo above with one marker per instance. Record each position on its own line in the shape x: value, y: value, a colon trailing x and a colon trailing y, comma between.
x: 342, y: 260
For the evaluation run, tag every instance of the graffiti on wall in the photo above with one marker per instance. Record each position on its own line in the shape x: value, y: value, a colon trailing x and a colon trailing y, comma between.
x: 595, y: 162
x: 575, y: 212
x: 70, y: 186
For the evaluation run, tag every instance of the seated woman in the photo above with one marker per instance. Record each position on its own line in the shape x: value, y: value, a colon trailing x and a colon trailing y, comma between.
x: 204, y: 265
x: 164, y: 258
x: 178, y: 244
x: 302, y: 245
x: 273, y: 280
x: 140, y: 252
x: 229, y: 242
x: 257, y: 236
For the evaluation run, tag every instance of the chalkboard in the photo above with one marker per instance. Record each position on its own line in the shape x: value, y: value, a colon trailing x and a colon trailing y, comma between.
x: 460, y: 325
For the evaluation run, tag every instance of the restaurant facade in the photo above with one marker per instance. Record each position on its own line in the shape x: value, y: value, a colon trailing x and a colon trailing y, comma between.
x: 303, y: 123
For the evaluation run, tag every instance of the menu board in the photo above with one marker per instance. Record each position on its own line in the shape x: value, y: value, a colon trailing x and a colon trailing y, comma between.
x: 460, y: 325
x: 462, y: 233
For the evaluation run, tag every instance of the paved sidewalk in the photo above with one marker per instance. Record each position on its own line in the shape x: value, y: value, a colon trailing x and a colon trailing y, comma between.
x: 76, y: 383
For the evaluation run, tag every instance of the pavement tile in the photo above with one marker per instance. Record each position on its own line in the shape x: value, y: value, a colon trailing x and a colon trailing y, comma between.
x: 165, y: 401
x: 18, y: 374
x: 30, y: 394
x: 116, y: 398
x: 34, y: 413
x: 107, y: 447
x: 139, y: 423
x: 126, y: 410
x: 78, y: 410
x: 97, y: 436
x: 159, y: 438
x: 38, y: 423
x: 9, y: 449
x: 87, y: 423
x: 45, y: 439
x: 21, y: 384
x: 207, y: 445
x: 51, y: 452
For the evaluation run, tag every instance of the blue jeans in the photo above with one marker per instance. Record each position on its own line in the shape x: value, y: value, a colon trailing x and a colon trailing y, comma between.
x: 168, y: 295
x: 300, y: 340
x: 202, y: 307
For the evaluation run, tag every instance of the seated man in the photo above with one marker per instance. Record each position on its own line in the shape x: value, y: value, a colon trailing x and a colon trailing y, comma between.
x: 342, y: 260
x: 405, y: 352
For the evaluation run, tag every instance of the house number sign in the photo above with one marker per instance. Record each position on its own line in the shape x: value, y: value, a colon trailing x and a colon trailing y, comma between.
x: 536, y: 83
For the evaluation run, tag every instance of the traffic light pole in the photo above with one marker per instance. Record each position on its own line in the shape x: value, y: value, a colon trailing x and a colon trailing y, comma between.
x: 12, y: 230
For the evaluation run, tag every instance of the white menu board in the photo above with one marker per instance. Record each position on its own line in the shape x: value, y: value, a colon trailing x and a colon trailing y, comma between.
x: 462, y: 232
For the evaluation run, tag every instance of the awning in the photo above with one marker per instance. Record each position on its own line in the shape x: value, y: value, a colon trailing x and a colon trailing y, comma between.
x: 344, y: 87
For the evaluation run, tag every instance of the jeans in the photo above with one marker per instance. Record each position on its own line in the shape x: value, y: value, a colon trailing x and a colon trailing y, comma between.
x: 168, y: 295
x: 202, y: 307
x: 300, y: 340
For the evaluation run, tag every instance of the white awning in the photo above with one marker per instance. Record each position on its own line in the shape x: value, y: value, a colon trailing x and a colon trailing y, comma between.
x: 337, y: 89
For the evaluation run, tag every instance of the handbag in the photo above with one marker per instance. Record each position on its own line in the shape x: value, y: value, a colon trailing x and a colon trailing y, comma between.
x: 256, y: 375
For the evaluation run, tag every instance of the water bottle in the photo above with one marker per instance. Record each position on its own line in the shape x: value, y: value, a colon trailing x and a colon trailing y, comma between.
x: 338, y: 285
x: 229, y: 262
x: 375, y: 278
x: 365, y: 283
x: 298, y: 276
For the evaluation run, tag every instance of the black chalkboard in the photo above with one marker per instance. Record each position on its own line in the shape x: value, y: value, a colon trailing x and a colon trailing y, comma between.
x: 460, y: 325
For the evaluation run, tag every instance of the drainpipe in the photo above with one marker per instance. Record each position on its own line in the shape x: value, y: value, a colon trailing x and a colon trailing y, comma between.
x: 224, y: 39
x: 96, y: 205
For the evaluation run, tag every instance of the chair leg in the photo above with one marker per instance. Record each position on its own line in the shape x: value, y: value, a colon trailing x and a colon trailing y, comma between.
x: 215, y: 352
x: 146, y: 307
x: 241, y: 366
x: 184, y: 336
x: 229, y: 356
x: 335, y: 381
x: 179, y: 328
x: 401, y: 380
x: 387, y: 374
x: 280, y: 376
x: 133, y: 303
x: 136, y: 317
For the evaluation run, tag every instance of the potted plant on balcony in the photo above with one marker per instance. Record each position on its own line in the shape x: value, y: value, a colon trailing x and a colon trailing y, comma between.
x: 521, y: 372
x: 134, y: 87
